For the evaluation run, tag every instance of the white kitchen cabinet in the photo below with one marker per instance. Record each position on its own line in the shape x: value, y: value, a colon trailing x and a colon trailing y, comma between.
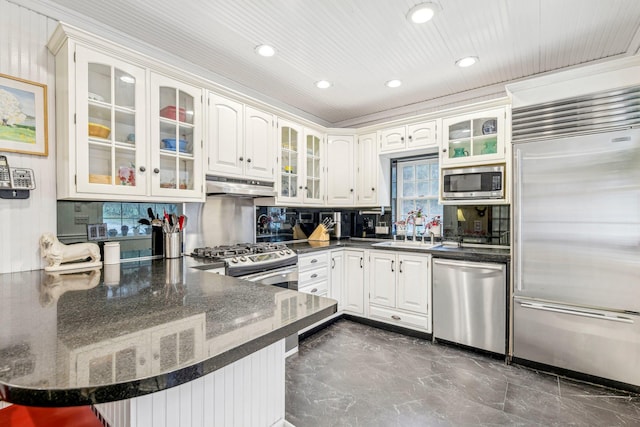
x: 176, y: 139
x: 367, y: 192
x: 313, y: 273
x: 353, y: 285
x: 105, y: 105
x: 474, y: 138
x: 300, y: 165
x: 340, y: 170
x: 240, y: 140
x: 399, y: 288
x: 410, y: 137
x: 336, y: 277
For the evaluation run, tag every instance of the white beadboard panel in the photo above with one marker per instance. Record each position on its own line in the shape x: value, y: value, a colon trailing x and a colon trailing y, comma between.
x: 23, y: 53
x: 360, y: 44
x: 246, y: 393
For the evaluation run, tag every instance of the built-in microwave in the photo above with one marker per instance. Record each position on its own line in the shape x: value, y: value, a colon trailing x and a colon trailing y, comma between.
x: 477, y: 182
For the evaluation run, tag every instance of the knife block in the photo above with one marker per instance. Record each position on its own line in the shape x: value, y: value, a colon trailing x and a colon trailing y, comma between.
x: 320, y: 234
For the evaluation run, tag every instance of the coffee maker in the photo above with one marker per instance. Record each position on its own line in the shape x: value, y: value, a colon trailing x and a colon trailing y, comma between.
x: 341, y: 221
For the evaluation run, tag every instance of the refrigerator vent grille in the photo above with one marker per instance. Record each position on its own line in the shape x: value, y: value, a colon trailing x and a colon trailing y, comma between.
x: 588, y: 114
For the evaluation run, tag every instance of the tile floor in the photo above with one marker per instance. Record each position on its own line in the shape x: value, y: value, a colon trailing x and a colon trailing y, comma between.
x: 351, y: 374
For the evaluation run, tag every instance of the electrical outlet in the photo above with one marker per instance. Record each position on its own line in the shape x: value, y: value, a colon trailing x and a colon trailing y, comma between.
x: 81, y: 219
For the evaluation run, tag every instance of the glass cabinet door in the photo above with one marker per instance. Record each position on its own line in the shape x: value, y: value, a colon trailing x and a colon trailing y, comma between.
x: 290, y: 173
x: 476, y: 136
x: 313, y: 185
x: 110, y: 131
x: 175, y: 136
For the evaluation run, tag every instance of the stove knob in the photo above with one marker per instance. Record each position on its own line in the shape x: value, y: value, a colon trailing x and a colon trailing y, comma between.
x: 281, y: 253
x: 234, y: 260
x: 288, y: 251
x: 243, y: 259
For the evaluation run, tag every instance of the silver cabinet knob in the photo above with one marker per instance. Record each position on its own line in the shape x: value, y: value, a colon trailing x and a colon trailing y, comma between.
x: 156, y: 170
x: 142, y: 169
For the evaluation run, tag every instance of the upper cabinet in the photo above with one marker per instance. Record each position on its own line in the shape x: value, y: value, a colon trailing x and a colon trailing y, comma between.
x: 240, y: 140
x: 301, y: 165
x: 105, y: 107
x: 340, y: 170
x: 474, y: 138
x: 367, y: 162
x: 411, y: 137
x: 176, y: 140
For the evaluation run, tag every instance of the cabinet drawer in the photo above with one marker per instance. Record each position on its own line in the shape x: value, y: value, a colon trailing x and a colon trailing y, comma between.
x: 313, y: 275
x: 320, y: 288
x: 313, y: 260
x: 399, y: 318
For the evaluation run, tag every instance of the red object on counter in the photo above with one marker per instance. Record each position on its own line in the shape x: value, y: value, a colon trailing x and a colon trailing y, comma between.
x: 31, y: 416
x: 170, y: 113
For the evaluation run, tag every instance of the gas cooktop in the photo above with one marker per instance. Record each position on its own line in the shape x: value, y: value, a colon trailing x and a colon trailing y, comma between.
x: 248, y: 258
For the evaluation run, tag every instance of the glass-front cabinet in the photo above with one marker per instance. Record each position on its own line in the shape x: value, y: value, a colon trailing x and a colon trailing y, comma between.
x: 124, y: 130
x: 313, y: 152
x: 290, y: 183
x: 300, y: 165
x: 110, y: 131
x: 474, y: 138
x: 176, y: 143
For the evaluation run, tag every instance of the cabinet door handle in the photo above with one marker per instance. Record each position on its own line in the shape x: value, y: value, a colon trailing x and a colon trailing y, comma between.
x: 351, y: 190
x: 314, y: 290
x: 444, y: 150
x: 156, y: 170
x: 333, y: 263
x: 394, y: 317
x: 300, y: 187
x: 313, y: 261
x: 248, y: 160
x: 400, y: 267
x: 373, y: 189
x: 241, y: 159
x: 314, y: 275
x: 410, y: 137
x: 392, y: 262
x: 360, y: 262
x: 142, y: 169
x: 402, y: 138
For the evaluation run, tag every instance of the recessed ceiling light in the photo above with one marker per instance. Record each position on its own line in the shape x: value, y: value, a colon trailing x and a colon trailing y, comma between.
x: 265, y: 50
x: 323, y: 84
x: 467, y: 61
x: 127, y: 79
x: 393, y: 83
x: 422, y: 12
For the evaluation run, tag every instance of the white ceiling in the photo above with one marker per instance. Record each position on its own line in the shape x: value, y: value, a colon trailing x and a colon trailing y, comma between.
x: 360, y: 44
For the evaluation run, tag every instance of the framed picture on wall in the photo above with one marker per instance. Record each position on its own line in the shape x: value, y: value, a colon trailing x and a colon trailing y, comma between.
x: 23, y: 116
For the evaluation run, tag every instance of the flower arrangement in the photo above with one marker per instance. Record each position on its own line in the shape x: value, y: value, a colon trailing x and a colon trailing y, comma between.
x: 416, y: 213
x: 435, y: 221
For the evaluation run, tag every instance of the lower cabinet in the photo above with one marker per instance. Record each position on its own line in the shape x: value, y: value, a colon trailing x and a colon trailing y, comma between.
x: 353, y: 286
x: 313, y: 273
x: 336, y: 277
x: 400, y: 288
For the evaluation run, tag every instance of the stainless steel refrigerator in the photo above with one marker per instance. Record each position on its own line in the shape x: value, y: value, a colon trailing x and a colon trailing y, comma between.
x: 577, y: 254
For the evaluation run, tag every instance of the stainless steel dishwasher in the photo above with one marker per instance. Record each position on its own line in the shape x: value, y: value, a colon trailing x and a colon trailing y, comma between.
x: 469, y: 303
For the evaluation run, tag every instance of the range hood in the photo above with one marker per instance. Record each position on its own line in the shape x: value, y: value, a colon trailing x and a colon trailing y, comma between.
x: 217, y: 185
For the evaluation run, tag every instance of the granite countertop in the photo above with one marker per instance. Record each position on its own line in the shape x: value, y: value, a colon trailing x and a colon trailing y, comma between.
x: 466, y: 253
x: 135, y: 328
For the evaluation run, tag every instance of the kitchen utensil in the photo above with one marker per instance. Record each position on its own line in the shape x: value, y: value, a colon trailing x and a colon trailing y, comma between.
x: 150, y: 213
x: 144, y: 221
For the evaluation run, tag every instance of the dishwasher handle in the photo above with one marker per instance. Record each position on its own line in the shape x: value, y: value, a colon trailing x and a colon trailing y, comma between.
x: 575, y: 312
x: 473, y: 264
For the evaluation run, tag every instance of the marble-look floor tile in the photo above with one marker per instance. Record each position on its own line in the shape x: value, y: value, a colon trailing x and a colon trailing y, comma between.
x: 351, y: 374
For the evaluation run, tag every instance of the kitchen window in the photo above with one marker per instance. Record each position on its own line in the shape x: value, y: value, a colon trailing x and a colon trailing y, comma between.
x: 415, y: 186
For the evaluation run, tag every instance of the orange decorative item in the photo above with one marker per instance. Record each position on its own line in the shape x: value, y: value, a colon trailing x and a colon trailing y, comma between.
x: 99, y: 131
x: 28, y: 416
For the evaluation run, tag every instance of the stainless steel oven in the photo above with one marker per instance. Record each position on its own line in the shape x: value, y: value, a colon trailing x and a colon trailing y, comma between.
x: 285, y: 277
x: 472, y: 183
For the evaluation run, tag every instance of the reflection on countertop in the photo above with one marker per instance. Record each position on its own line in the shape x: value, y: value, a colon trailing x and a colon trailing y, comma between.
x: 451, y: 251
x: 137, y: 327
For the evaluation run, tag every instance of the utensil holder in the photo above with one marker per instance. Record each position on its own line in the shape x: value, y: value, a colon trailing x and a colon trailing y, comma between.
x: 173, y: 245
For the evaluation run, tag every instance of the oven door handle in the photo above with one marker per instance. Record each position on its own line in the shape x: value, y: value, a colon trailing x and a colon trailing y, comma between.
x: 269, y: 274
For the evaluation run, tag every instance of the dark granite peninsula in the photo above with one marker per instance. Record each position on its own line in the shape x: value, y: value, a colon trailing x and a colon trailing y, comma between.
x: 150, y: 334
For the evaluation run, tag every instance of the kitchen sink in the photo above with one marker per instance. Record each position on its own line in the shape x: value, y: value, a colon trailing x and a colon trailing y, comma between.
x: 409, y: 244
